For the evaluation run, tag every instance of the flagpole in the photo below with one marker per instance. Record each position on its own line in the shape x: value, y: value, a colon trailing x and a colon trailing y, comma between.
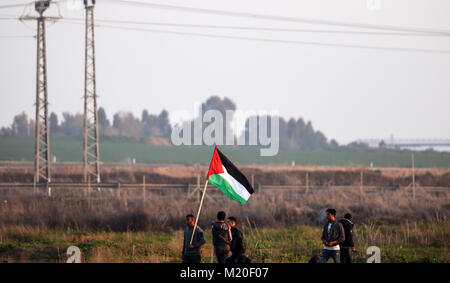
x: 198, y: 213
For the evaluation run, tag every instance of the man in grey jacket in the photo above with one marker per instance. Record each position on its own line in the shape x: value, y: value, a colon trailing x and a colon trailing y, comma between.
x: 191, y: 252
x: 332, y: 235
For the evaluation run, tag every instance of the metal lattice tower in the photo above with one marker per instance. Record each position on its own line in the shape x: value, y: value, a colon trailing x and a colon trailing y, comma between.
x: 42, y: 134
x: 91, y: 155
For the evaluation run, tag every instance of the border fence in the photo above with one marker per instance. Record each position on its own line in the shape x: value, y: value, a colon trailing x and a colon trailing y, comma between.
x: 146, y: 191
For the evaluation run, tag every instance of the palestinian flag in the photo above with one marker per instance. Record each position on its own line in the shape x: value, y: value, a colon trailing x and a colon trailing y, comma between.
x: 225, y: 176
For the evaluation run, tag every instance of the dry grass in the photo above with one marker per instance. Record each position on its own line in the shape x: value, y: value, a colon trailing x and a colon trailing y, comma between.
x: 164, y: 209
x: 280, y: 225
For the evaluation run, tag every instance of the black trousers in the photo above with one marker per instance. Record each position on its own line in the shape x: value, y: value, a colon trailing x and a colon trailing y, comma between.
x: 221, y: 253
x: 238, y: 258
x: 192, y: 258
x: 345, y: 255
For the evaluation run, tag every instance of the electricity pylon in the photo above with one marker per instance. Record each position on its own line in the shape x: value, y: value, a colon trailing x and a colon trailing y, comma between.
x: 91, y: 155
x: 42, y: 134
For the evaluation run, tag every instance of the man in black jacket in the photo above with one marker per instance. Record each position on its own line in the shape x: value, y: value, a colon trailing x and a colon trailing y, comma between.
x: 348, y: 243
x: 221, y: 237
x: 238, y: 245
x: 191, y: 252
x: 332, y: 235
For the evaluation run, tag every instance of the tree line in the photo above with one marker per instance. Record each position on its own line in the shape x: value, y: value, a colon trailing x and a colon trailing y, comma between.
x: 294, y: 133
x: 123, y: 124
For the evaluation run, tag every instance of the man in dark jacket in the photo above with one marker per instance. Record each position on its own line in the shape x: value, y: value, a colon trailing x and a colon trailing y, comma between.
x: 348, y: 243
x: 191, y: 252
x: 238, y: 245
x: 221, y: 237
x: 332, y: 235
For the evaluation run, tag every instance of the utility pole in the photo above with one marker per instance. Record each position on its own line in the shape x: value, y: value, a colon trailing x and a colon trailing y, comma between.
x: 91, y: 155
x: 42, y: 134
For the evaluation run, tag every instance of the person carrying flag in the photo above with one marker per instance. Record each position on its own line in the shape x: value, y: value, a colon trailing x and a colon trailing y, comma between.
x: 191, y: 251
x: 226, y: 176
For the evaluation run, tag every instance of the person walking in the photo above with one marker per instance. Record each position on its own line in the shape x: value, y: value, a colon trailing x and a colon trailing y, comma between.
x: 332, y: 235
x: 347, y: 245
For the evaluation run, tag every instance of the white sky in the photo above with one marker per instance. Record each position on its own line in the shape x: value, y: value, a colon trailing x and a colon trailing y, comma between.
x: 346, y: 93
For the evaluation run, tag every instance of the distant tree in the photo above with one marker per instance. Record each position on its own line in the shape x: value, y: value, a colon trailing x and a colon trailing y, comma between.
x: 334, y: 143
x: 72, y: 125
x: 7, y: 131
x: 356, y: 144
x: 103, y: 121
x: 104, y: 126
x: 32, y: 127
x: 20, y: 125
x: 127, y: 124
x: 164, y: 124
x: 53, y: 120
x: 320, y: 140
x: 149, y: 124
x: 215, y: 102
x: 145, y: 116
x: 221, y: 105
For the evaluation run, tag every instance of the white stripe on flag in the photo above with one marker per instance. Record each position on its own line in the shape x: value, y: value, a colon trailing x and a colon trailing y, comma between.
x: 238, y: 187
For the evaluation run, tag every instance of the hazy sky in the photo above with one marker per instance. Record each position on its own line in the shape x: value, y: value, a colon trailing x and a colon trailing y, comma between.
x: 347, y: 93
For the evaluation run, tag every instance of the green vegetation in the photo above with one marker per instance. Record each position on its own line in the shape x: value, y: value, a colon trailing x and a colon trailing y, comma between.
x: 118, y: 149
x: 414, y: 242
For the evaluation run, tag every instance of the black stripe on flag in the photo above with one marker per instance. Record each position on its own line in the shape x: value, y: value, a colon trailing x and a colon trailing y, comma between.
x: 233, y: 171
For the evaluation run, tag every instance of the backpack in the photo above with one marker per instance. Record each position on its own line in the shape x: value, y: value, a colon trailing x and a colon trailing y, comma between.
x: 239, y: 245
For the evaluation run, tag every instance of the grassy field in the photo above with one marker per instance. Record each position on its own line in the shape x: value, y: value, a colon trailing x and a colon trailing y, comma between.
x: 122, y: 149
x: 279, y: 225
x: 413, y: 242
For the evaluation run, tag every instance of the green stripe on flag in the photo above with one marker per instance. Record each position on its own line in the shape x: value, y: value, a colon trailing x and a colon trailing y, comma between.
x: 226, y: 188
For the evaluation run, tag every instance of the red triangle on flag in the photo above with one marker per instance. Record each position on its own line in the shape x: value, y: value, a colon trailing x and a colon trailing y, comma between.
x: 216, y: 164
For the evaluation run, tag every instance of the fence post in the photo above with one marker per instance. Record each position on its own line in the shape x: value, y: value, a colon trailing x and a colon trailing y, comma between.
x: 307, y: 182
x: 413, y: 176
x: 89, y: 192
x: 361, y: 184
x: 49, y: 190
x: 143, y: 190
x: 34, y: 186
x: 118, y: 191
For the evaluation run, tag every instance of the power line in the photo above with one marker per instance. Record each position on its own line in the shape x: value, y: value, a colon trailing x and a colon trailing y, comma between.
x: 184, y: 25
x: 15, y: 5
x: 17, y: 36
x: 279, y: 18
x: 271, y: 40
